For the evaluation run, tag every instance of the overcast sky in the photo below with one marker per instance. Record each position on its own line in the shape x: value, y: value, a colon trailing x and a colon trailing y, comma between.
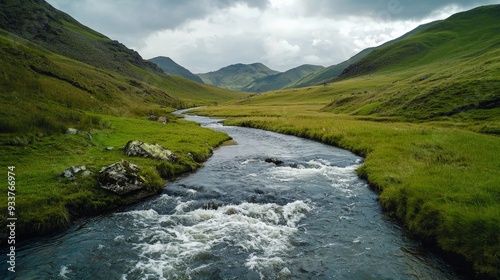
x: 206, y: 35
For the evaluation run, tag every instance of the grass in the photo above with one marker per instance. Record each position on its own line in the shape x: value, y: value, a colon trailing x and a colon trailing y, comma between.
x: 46, y: 202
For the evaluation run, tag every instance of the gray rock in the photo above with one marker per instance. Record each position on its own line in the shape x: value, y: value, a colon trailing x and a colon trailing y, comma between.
x: 163, y: 120
x: 152, y: 117
x: 121, y: 177
x: 71, y: 172
x: 71, y: 131
x: 136, y: 148
x: 67, y: 173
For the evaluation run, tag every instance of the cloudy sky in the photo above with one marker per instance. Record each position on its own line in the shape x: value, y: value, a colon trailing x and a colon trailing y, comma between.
x: 206, y: 35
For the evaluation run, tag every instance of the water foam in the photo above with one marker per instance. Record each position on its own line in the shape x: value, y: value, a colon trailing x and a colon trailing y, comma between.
x: 341, y: 178
x: 261, y: 230
x: 64, y: 271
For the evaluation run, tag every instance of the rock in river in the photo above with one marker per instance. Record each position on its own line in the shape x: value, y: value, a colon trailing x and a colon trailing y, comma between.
x: 274, y: 160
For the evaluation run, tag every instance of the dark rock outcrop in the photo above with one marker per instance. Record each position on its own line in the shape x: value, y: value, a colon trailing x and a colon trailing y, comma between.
x: 273, y: 160
x: 121, y: 177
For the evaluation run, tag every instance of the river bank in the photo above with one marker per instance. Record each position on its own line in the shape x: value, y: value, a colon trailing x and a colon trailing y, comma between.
x: 441, y: 183
x: 306, y: 216
x: 46, y: 202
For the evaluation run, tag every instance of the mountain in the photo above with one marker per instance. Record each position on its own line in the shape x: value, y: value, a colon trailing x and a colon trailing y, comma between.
x: 170, y: 67
x: 282, y: 80
x: 237, y: 76
x: 56, y: 31
x: 46, y: 28
x: 333, y: 71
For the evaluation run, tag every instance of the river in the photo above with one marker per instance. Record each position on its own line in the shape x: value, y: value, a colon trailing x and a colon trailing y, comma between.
x: 240, y: 217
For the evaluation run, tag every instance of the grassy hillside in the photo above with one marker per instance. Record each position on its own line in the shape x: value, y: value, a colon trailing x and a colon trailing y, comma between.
x: 282, y: 80
x: 463, y: 35
x: 237, y: 76
x: 57, y: 74
x: 328, y: 73
x: 53, y: 30
x: 331, y: 72
x: 170, y: 67
x: 56, y: 31
x: 427, y: 123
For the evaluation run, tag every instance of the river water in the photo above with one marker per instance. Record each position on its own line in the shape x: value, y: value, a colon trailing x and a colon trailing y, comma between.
x: 241, y: 217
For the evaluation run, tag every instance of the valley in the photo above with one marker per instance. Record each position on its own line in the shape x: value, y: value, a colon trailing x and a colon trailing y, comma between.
x: 423, y: 111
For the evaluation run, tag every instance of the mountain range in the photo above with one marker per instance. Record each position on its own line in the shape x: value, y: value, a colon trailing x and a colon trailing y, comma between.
x: 259, y: 78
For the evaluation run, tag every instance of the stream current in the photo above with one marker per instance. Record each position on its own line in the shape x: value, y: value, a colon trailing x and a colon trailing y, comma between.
x: 240, y: 217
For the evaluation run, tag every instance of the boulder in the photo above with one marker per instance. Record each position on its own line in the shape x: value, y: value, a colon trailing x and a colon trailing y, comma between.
x: 136, y: 148
x: 152, y: 117
x: 71, y: 131
x: 73, y: 171
x: 121, y: 177
x: 273, y: 160
x: 163, y: 120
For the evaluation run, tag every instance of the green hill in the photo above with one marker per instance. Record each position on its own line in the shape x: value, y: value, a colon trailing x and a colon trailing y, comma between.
x: 329, y: 73
x: 326, y: 74
x: 56, y: 31
x: 442, y: 40
x: 237, y: 76
x: 53, y: 30
x: 171, y: 67
x: 282, y: 80
x: 448, y: 69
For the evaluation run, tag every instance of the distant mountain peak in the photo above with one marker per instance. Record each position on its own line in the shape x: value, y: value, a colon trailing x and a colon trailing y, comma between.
x: 169, y: 66
x: 255, y: 77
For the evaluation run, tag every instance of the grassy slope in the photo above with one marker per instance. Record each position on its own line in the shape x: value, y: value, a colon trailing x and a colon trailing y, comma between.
x: 327, y: 74
x: 44, y: 93
x: 428, y: 132
x: 56, y: 31
x: 463, y: 35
